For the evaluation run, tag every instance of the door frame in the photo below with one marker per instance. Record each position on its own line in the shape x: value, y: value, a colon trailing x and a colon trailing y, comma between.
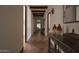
x: 48, y: 23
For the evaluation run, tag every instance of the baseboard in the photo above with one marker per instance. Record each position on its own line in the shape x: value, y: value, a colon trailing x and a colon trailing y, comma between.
x: 21, y: 51
x: 28, y: 36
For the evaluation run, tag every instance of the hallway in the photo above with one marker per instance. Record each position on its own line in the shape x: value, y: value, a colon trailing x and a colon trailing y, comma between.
x: 37, y: 44
x: 40, y: 18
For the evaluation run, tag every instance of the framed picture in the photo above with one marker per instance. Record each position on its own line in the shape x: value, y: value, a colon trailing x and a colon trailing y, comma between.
x: 69, y: 13
x: 77, y: 13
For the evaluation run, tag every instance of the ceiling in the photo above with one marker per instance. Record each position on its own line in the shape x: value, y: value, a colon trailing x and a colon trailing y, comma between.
x: 38, y: 10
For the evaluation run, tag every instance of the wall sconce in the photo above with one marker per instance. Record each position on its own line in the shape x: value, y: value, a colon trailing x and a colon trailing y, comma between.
x: 52, y: 10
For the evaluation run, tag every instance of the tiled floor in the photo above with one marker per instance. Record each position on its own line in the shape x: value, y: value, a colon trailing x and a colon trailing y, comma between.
x: 37, y: 44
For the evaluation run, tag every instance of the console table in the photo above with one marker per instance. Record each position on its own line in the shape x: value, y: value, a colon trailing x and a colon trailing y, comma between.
x: 67, y: 43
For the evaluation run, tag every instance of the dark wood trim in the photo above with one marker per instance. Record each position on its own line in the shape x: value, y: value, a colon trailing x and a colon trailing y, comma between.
x: 49, y: 45
x: 76, y: 21
x: 38, y: 14
x: 25, y: 24
x: 69, y: 22
x: 38, y: 7
x: 38, y: 10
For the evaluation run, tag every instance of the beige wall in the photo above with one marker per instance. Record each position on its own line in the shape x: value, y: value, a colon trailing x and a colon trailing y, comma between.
x: 32, y: 24
x: 11, y: 28
x: 24, y: 24
x: 29, y: 23
x: 56, y: 18
x: 69, y: 26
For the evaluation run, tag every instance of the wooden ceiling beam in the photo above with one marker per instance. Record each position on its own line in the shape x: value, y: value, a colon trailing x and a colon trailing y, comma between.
x: 38, y: 14
x: 38, y: 10
x: 38, y: 7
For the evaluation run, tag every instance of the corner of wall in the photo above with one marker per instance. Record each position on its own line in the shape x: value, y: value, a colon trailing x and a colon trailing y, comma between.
x: 29, y: 36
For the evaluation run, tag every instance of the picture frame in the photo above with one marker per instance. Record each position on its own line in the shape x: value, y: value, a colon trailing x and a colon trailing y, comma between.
x: 77, y: 13
x: 69, y: 13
